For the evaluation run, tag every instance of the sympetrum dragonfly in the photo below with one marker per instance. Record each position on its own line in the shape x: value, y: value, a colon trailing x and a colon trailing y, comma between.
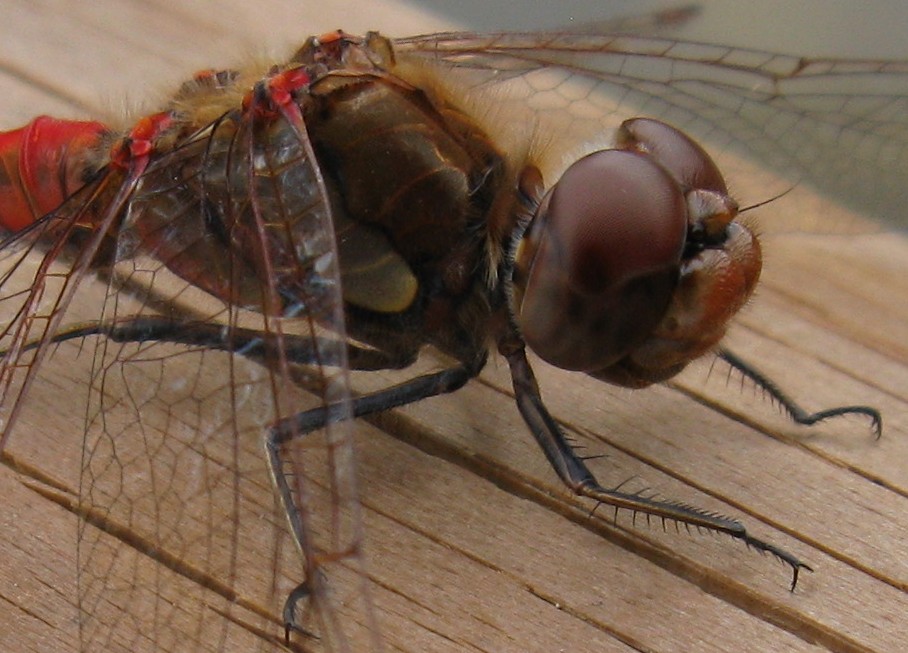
x: 133, y: 399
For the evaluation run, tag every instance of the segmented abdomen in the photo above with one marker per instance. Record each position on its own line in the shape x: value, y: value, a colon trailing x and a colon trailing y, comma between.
x: 41, y: 164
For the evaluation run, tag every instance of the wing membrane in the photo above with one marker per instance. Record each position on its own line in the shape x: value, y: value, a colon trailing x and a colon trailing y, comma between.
x: 841, y: 125
x: 227, y: 229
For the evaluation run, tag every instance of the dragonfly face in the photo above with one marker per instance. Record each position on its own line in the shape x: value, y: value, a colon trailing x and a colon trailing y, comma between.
x: 632, y: 264
x: 262, y: 191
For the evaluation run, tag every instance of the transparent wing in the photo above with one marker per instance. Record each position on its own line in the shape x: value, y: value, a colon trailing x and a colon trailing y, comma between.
x: 841, y: 125
x: 43, y: 268
x: 218, y: 267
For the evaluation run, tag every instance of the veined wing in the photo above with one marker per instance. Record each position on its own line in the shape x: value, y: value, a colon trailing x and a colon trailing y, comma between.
x: 44, y: 265
x: 216, y: 257
x: 839, y: 124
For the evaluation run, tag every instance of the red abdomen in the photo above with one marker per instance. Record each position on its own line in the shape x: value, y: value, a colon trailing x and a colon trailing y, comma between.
x: 41, y: 164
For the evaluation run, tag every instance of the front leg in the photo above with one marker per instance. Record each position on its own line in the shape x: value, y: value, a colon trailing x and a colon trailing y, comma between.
x: 793, y: 410
x: 575, y: 474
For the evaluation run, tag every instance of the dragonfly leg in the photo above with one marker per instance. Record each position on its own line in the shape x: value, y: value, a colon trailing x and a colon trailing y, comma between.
x: 248, y: 343
x: 421, y: 387
x: 408, y: 392
x: 577, y: 476
x: 792, y: 409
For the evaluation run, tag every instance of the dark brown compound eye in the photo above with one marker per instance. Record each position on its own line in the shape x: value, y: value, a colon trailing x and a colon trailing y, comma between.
x: 684, y: 159
x: 596, y: 268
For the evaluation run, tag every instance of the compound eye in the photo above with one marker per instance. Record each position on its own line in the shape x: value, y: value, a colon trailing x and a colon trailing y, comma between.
x: 684, y: 159
x: 596, y: 268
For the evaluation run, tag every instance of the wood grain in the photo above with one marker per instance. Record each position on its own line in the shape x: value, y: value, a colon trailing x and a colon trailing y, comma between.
x: 473, y: 544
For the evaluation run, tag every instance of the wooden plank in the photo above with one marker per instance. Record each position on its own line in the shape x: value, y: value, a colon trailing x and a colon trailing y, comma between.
x: 473, y: 544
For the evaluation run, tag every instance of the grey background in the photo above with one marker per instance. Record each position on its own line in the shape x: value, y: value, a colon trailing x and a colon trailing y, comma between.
x: 878, y: 28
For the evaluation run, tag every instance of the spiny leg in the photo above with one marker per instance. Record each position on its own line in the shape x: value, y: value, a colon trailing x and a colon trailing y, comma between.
x: 575, y: 474
x: 249, y: 343
x: 792, y: 409
x: 297, y: 426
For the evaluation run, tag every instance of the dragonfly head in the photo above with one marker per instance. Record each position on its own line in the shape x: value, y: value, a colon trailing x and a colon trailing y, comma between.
x: 633, y: 262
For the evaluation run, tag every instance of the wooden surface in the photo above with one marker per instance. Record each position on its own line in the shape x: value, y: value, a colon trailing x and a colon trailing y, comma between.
x: 474, y: 546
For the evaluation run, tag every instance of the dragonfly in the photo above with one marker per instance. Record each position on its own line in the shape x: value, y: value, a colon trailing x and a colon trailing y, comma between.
x: 242, y: 226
